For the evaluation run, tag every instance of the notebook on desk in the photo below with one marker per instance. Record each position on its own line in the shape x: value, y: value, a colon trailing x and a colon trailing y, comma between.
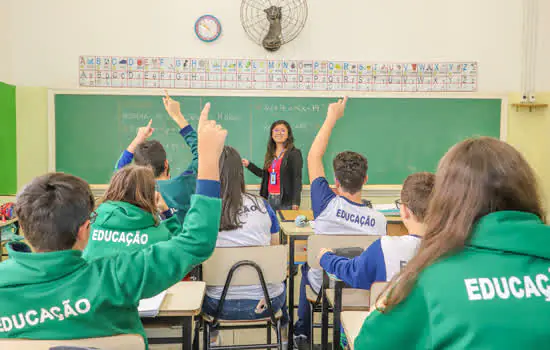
x: 150, y: 307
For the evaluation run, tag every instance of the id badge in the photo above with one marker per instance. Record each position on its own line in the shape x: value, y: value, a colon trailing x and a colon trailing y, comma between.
x: 273, y: 178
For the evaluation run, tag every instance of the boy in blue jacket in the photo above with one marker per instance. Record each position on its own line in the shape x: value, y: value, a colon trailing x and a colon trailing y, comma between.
x: 176, y: 191
x: 383, y: 259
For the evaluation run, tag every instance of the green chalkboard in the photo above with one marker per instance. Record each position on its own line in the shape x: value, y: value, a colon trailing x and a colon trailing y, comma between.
x: 397, y: 135
x: 8, y: 148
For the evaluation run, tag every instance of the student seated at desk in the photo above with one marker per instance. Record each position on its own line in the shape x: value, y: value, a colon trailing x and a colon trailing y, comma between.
x: 177, y: 191
x: 387, y: 256
x: 51, y: 292
x: 383, y: 259
x: 342, y: 213
x: 480, y: 278
x: 246, y: 221
x: 130, y: 216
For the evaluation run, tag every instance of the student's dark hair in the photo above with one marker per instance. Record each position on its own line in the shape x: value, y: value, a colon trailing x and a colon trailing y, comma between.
x: 272, y: 146
x: 153, y: 154
x: 232, y: 189
x: 52, y: 208
x: 350, y: 169
x: 133, y: 184
x: 476, y: 177
x: 416, y: 192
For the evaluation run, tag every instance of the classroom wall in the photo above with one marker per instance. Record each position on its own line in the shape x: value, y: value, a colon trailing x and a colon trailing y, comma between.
x: 46, y: 44
x: 377, y: 30
x: 32, y: 133
x: 528, y: 132
x: 5, y: 42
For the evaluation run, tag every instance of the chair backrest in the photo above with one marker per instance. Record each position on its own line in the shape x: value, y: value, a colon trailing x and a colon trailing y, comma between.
x: 117, y: 342
x: 375, y: 290
x: 272, y: 260
x: 316, y: 242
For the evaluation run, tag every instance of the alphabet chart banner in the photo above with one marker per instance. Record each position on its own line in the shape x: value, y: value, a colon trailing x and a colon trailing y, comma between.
x: 258, y: 74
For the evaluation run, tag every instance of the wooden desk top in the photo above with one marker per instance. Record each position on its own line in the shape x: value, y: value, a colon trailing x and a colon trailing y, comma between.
x: 290, y: 229
x: 117, y: 342
x: 183, y: 299
x: 352, y: 321
x: 290, y: 215
x: 352, y: 299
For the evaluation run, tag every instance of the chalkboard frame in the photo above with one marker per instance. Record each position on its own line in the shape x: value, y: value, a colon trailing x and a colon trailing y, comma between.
x: 386, y: 189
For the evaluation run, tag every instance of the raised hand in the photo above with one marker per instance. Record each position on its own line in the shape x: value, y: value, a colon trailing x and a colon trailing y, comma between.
x: 144, y: 132
x: 211, y: 139
x: 336, y: 109
x: 173, y: 109
x: 245, y: 162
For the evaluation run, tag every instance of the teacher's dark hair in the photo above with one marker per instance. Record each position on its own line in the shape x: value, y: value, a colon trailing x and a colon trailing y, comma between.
x: 271, y: 146
x: 232, y: 189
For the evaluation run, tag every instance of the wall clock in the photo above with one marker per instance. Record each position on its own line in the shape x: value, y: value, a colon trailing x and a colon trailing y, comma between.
x: 208, y: 28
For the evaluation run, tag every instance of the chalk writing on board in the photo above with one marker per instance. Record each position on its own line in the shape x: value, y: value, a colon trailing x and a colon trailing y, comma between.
x: 135, y: 116
x: 228, y: 116
x: 284, y: 108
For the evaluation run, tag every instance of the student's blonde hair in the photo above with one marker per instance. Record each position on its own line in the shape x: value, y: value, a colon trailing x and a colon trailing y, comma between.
x: 133, y: 184
x: 476, y: 177
x: 416, y: 192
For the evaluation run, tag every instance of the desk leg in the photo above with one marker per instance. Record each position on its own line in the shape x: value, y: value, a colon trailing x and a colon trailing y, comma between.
x: 290, y: 292
x: 336, y: 315
x: 187, y: 333
x: 324, y: 321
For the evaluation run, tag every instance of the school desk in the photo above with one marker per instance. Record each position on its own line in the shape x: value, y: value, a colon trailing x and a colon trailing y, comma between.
x: 183, y: 301
x: 341, y: 299
x: 297, y: 237
x: 352, y: 321
x: 3, y: 241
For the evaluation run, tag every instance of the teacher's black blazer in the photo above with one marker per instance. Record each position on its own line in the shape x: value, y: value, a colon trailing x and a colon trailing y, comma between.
x: 291, y: 177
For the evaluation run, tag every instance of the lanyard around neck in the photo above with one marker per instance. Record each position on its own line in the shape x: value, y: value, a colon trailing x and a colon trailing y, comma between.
x: 275, y: 160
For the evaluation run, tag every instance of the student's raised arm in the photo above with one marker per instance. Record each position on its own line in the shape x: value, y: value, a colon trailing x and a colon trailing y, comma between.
x: 186, y: 130
x: 142, y: 135
x: 146, y: 273
x: 319, y: 146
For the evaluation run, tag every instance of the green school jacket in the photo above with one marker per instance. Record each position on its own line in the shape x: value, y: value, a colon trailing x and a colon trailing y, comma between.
x: 60, y: 295
x: 178, y: 190
x: 121, y: 227
x: 494, y: 294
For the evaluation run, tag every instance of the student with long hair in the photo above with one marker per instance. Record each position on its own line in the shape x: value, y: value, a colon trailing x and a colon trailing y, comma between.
x: 480, y: 279
x: 281, y: 172
x: 246, y: 221
x: 130, y: 216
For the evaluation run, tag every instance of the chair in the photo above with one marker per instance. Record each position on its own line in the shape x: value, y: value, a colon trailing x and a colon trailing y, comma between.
x: 334, y: 241
x: 117, y: 342
x: 261, y: 265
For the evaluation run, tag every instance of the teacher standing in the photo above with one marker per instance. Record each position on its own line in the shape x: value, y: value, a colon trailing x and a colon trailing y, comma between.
x: 282, y: 169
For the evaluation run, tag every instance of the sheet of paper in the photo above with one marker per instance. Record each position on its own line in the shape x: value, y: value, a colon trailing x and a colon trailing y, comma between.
x: 385, y: 206
x: 150, y: 307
